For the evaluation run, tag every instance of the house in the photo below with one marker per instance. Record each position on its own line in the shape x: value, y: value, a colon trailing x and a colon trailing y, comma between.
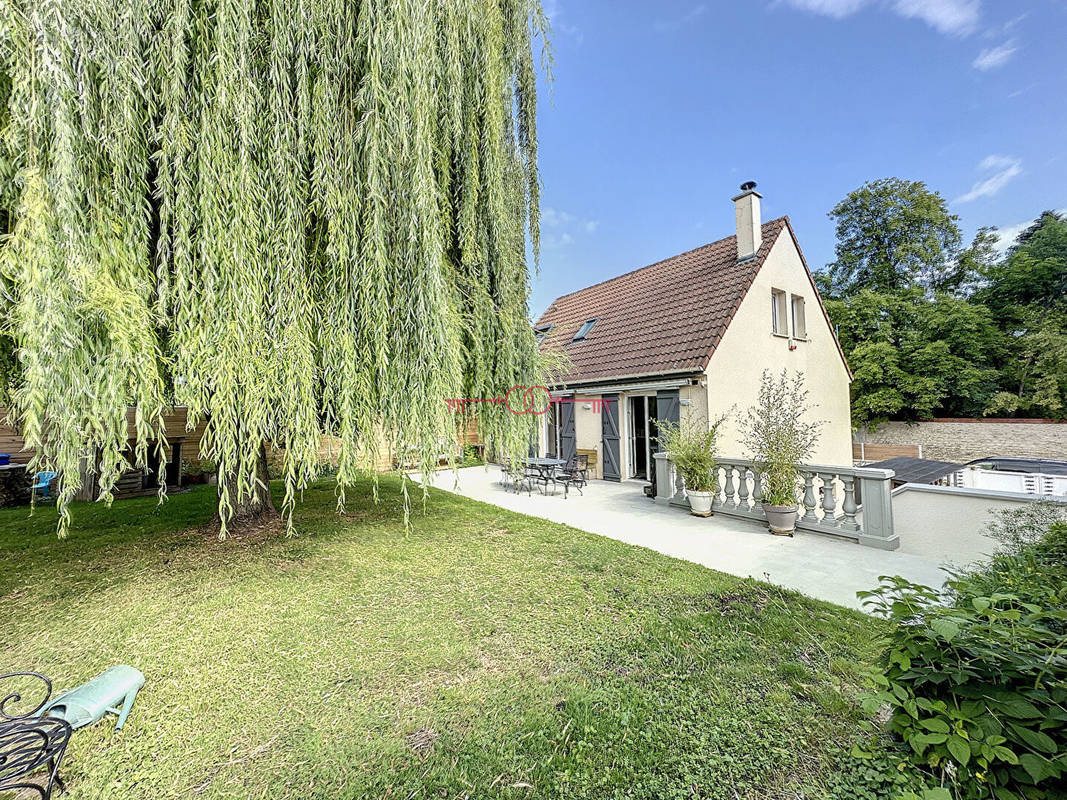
x: 688, y: 338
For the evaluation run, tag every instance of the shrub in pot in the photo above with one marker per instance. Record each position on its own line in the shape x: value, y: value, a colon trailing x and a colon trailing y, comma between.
x: 780, y: 436
x: 691, y: 448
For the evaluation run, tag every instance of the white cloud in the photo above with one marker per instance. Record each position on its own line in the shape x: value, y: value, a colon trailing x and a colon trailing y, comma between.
x: 953, y: 17
x: 553, y: 218
x: 838, y: 9
x: 1006, y: 168
x: 663, y: 25
x: 561, y: 226
x: 993, y: 57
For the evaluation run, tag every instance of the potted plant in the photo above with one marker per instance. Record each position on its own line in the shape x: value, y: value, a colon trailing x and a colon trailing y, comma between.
x: 780, y: 435
x: 692, y: 449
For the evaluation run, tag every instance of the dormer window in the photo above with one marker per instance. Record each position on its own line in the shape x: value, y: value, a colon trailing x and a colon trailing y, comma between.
x: 584, y: 330
x: 541, y: 332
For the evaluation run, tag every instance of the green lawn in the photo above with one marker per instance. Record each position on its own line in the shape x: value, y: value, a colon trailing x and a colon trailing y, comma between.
x: 481, y: 654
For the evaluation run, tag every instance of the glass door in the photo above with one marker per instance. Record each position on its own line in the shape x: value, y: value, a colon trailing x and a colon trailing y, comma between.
x: 638, y: 438
x: 643, y: 433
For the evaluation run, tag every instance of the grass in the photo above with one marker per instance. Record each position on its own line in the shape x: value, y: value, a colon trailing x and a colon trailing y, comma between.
x: 481, y: 654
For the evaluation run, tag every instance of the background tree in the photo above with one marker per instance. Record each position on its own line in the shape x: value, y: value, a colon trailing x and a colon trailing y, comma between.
x: 892, y: 234
x: 1034, y: 273
x: 914, y: 357
x: 288, y: 215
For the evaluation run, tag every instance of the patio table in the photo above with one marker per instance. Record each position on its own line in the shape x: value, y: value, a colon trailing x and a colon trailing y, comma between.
x: 545, y: 467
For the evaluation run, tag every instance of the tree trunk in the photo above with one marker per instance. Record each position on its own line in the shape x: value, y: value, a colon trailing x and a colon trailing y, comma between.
x: 260, y: 504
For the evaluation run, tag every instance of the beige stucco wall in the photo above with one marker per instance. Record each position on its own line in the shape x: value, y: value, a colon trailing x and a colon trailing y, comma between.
x: 587, y: 428
x: 967, y: 441
x: 697, y: 408
x: 749, y: 346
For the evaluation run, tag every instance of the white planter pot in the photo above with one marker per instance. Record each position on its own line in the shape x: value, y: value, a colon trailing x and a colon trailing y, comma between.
x: 700, y: 503
x: 782, y: 520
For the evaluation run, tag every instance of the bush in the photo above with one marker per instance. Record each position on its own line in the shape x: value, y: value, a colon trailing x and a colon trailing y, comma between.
x: 692, y: 449
x: 975, y: 677
x: 471, y: 457
x: 780, y: 436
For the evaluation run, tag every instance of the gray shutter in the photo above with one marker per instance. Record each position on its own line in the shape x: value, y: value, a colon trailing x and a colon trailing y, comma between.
x: 609, y: 435
x: 668, y: 409
x: 567, y: 442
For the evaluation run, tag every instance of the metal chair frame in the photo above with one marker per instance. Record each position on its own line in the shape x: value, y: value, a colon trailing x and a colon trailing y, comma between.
x: 29, y: 742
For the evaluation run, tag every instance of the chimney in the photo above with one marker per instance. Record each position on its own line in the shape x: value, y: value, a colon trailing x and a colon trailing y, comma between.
x: 746, y: 211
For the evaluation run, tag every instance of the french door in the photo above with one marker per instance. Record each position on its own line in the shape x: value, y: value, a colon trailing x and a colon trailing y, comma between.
x: 642, y: 430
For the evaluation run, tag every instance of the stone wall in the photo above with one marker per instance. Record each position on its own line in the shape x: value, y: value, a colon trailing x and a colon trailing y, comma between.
x: 966, y: 440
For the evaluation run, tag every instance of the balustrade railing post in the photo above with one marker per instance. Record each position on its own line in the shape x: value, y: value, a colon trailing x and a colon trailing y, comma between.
x: 876, y: 489
x: 742, y: 490
x: 664, y: 478
x: 728, y: 501
x: 847, y: 520
x: 809, y: 497
x: 829, y: 502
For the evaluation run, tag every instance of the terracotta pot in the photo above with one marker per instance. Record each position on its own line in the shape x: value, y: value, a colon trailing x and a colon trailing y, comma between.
x: 782, y: 520
x: 700, y: 503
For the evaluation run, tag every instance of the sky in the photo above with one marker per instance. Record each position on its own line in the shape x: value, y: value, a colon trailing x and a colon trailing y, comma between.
x: 657, y: 111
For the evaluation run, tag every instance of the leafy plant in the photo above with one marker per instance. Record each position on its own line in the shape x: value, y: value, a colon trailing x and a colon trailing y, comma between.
x: 471, y: 457
x: 975, y: 677
x: 780, y: 435
x: 198, y: 466
x: 692, y: 449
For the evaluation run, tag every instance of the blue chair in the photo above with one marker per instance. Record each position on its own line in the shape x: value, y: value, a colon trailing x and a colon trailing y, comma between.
x: 42, y: 481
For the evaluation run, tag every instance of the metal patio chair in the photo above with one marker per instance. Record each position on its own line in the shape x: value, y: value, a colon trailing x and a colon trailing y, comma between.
x: 575, y: 473
x: 30, y: 743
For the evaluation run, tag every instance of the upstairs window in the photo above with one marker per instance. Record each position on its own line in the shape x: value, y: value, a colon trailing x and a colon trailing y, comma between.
x: 584, y: 330
x: 779, y: 321
x: 541, y: 332
x: 800, y: 326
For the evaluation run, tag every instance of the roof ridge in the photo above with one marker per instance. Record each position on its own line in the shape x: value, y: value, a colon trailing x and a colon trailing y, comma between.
x: 784, y: 218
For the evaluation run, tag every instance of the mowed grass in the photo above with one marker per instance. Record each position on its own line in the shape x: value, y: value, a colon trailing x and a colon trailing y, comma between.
x: 481, y: 653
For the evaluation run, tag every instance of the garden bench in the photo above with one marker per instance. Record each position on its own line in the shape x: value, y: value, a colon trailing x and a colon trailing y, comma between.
x: 30, y: 743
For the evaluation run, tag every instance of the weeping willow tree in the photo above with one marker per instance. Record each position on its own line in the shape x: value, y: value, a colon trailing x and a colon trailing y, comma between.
x: 290, y: 216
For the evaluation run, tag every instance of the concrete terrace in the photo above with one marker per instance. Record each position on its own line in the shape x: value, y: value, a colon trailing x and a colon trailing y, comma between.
x: 820, y: 566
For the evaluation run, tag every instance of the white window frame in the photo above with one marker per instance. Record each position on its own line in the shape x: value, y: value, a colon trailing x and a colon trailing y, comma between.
x: 799, y: 320
x: 779, y: 313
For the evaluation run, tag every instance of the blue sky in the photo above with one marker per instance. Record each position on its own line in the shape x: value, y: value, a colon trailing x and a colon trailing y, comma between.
x: 659, y: 110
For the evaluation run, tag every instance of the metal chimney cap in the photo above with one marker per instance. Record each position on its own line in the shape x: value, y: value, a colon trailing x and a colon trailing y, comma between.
x: 748, y: 186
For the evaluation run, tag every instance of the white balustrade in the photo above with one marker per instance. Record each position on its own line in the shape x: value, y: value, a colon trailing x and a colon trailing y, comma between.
x: 854, y: 502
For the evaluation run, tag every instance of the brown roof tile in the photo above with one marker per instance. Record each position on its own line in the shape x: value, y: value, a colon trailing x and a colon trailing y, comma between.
x: 665, y: 318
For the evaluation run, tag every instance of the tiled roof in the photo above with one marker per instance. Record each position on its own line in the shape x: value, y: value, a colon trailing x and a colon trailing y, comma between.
x: 665, y: 318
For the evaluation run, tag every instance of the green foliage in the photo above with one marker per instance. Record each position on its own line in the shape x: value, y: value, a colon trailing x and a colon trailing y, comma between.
x: 932, y: 330
x: 892, y: 234
x: 780, y: 435
x: 471, y: 457
x: 201, y: 466
x: 1035, y: 271
x: 289, y: 216
x: 1033, y: 374
x: 915, y: 357
x: 877, y: 769
x: 692, y: 449
x: 976, y: 679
